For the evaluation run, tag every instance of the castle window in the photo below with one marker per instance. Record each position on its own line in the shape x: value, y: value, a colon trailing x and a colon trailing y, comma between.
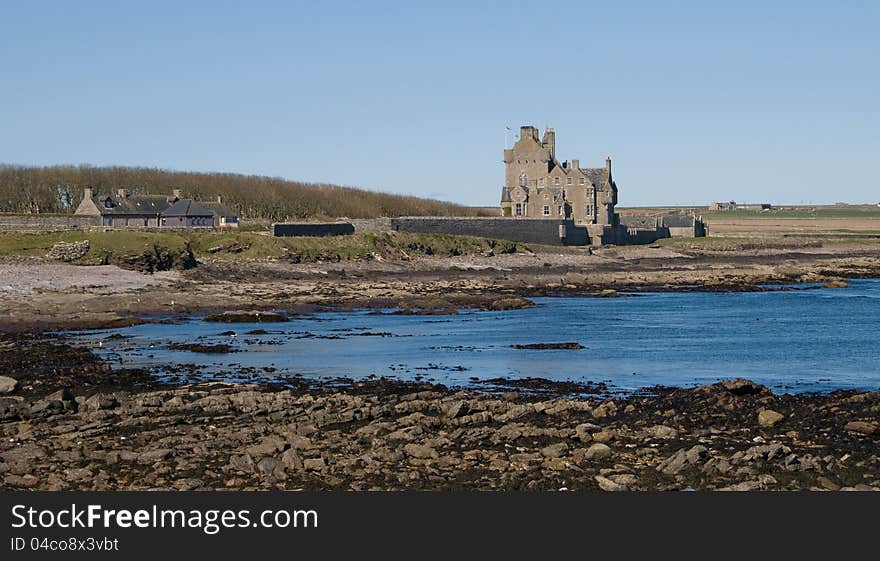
x: 555, y: 181
x: 568, y: 181
x: 589, y: 209
x: 583, y: 181
x: 546, y: 210
x: 523, y: 180
x: 540, y: 182
x: 560, y: 210
x: 519, y: 209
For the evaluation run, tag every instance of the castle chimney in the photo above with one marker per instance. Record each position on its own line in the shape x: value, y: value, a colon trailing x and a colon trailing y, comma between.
x: 175, y: 193
x: 121, y: 192
x: 549, y: 141
x: 608, y: 164
x: 87, y: 193
x: 528, y: 131
x: 575, y: 164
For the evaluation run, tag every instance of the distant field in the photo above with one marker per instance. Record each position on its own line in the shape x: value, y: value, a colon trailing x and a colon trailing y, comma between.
x: 792, y: 220
x: 787, y: 212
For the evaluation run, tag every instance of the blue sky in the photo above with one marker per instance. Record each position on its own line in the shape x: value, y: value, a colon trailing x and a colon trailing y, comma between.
x: 694, y: 101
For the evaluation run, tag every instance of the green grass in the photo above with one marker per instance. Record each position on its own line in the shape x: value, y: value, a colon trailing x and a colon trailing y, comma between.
x: 100, y: 243
x: 253, y: 245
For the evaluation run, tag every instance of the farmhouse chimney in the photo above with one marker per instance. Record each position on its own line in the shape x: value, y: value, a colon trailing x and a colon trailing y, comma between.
x: 175, y: 193
x: 121, y: 193
x: 87, y: 193
x: 220, y: 199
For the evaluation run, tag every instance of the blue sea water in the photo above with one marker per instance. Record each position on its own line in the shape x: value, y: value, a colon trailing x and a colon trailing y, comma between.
x: 813, y: 340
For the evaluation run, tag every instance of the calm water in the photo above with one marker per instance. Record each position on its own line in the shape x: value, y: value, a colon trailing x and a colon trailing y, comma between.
x: 795, y: 341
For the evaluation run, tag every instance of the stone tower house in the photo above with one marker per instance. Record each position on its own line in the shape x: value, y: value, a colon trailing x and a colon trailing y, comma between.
x: 536, y: 185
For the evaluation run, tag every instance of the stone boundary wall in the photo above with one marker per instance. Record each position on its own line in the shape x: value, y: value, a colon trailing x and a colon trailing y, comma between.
x: 372, y: 224
x: 36, y: 224
x: 313, y: 229
x: 527, y: 230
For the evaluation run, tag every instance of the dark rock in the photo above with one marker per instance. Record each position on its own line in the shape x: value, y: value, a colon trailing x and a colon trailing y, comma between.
x: 548, y: 346
x: 220, y: 348
x: 246, y: 317
x: 509, y: 303
x: 62, y: 401
x: 741, y: 386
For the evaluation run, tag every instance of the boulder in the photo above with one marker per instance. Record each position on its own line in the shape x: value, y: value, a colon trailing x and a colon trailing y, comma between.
x: 682, y: 459
x: 582, y: 431
x: 608, y: 485
x: 458, y: 408
x: 154, y: 456
x: 768, y: 417
x: 598, y: 451
x: 662, y: 431
x: 8, y: 385
x: 861, y: 427
x: 554, y: 450
x: 314, y: 464
x: 604, y: 436
x: 270, y: 466
x: 420, y: 451
x: 99, y: 401
x: 291, y: 459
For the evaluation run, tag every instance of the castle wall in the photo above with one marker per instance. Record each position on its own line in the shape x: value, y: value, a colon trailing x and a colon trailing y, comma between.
x: 527, y: 230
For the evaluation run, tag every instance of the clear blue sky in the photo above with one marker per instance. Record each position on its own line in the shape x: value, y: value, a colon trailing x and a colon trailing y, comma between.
x: 695, y: 101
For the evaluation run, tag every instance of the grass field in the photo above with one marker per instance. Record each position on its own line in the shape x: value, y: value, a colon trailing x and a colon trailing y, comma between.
x: 784, y: 212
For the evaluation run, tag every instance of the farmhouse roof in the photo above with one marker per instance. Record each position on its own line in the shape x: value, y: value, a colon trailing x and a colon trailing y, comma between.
x: 132, y: 204
x: 187, y: 207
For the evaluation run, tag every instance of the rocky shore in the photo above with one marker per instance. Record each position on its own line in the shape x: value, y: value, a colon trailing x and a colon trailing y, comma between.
x: 36, y: 295
x: 71, y: 424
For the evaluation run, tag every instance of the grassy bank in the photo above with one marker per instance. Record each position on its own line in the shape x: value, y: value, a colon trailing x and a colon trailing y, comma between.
x: 254, y: 245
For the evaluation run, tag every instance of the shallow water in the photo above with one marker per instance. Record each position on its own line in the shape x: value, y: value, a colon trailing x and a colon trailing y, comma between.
x: 794, y: 341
